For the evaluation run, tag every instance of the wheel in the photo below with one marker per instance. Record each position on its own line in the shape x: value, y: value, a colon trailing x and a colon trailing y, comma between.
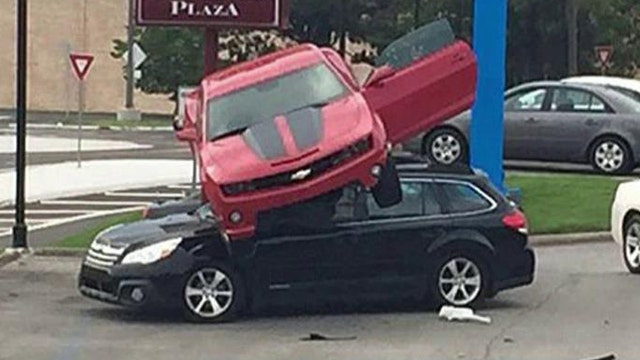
x: 460, y: 279
x: 631, y: 245
x: 212, y: 294
x: 612, y: 156
x: 445, y: 146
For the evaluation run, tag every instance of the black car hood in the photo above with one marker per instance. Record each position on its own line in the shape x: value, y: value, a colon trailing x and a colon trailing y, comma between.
x: 154, y: 230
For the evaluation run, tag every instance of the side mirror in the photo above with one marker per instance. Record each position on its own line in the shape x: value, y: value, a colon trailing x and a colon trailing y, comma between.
x: 380, y: 74
x: 387, y: 191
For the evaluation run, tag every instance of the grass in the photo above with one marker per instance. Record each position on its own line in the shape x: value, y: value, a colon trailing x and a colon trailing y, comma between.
x: 561, y: 204
x: 84, y: 238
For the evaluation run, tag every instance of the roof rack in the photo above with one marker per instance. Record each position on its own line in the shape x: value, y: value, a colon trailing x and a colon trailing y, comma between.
x: 410, y: 162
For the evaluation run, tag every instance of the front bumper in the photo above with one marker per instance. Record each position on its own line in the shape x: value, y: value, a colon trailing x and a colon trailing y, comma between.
x: 519, y: 271
x: 157, y: 285
x: 250, y: 204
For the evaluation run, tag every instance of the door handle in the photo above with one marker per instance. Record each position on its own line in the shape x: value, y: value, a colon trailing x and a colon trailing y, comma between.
x: 591, y: 122
x: 531, y: 120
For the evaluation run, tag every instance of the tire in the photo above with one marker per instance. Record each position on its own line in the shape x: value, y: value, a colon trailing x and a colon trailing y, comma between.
x: 470, y: 293
x: 387, y: 191
x: 611, y: 155
x: 219, y: 300
x: 631, y: 244
x: 445, y: 146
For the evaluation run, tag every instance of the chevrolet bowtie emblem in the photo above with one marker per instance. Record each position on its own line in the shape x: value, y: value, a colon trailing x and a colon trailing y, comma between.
x: 301, y: 175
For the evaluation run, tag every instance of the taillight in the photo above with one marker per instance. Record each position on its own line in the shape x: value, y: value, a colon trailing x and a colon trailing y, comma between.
x: 516, y: 221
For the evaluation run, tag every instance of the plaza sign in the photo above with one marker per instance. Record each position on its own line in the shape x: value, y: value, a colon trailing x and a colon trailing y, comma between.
x: 216, y: 13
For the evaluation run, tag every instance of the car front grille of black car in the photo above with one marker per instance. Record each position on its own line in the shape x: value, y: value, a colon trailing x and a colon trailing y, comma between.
x: 103, y: 255
x: 306, y: 173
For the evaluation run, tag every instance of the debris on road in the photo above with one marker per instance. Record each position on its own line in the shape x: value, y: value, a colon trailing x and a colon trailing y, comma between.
x: 605, y: 357
x: 452, y: 313
x: 320, y: 337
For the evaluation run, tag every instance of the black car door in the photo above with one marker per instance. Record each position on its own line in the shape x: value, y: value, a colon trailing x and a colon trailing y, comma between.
x: 294, y: 261
x: 390, y: 254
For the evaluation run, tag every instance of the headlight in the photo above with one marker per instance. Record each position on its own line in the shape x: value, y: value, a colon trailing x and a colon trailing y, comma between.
x: 152, y: 253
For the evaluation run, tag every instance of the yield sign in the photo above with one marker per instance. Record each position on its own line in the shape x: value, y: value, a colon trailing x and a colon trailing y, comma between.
x: 80, y: 63
x: 604, y: 54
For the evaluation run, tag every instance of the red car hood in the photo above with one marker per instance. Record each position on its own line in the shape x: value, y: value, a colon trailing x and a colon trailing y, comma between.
x: 287, y: 142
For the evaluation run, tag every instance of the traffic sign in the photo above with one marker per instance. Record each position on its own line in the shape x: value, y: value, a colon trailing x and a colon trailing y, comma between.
x: 81, y: 63
x: 604, y: 54
x: 139, y: 56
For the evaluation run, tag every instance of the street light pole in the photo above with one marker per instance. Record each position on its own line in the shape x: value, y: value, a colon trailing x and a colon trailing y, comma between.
x: 20, y: 228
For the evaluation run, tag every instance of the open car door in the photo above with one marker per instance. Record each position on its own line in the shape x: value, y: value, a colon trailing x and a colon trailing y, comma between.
x: 422, y: 80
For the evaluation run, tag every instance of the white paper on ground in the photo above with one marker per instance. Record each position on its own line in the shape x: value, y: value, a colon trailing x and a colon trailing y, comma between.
x: 452, y: 313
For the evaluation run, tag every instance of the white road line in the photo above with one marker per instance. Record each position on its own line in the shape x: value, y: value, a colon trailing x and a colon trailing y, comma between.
x: 149, y: 195
x: 79, y: 218
x: 40, y: 212
x: 96, y: 203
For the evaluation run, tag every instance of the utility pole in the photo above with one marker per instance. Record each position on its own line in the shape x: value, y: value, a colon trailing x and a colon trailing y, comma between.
x: 130, y: 70
x: 572, y: 36
x: 342, y: 41
x: 130, y: 112
x: 20, y: 227
x: 416, y: 14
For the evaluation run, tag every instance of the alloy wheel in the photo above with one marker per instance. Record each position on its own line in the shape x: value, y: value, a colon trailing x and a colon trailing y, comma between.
x: 209, y: 293
x: 632, y: 245
x: 609, y: 156
x: 446, y: 149
x: 460, y: 281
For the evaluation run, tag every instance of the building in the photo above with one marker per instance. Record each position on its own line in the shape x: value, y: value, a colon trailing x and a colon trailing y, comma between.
x: 55, y: 29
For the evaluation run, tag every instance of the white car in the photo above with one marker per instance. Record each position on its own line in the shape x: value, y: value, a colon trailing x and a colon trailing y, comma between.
x: 630, y: 87
x: 625, y: 223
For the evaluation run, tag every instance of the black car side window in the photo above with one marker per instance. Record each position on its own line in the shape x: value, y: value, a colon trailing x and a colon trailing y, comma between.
x: 463, y: 198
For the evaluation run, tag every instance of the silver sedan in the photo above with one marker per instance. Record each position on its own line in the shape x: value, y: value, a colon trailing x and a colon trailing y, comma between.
x: 552, y: 121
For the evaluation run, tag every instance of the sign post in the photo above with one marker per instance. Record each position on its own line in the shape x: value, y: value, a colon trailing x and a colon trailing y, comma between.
x: 604, y: 54
x: 80, y: 63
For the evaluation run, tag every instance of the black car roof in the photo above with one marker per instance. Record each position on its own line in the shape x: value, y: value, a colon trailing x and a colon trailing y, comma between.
x: 416, y: 166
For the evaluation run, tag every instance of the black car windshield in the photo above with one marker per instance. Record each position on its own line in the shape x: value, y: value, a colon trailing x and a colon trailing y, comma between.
x: 312, y: 86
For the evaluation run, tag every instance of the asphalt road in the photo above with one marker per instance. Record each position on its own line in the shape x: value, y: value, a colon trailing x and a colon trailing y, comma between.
x: 582, y: 305
x: 52, y: 220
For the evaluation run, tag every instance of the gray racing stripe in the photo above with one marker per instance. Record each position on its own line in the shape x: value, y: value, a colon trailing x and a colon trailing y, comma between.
x: 265, y: 140
x: 305, y: 126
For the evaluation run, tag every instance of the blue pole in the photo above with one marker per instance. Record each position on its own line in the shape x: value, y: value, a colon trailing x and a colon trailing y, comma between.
x: 487, y: 129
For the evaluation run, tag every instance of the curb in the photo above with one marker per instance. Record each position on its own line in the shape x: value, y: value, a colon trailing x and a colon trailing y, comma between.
x: 570, y: 239
x: 9, y: 255
x: 59, y: 252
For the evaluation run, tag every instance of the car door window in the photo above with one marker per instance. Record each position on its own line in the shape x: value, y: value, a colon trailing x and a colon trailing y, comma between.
x: 529, y: 100
x: 417, y: 44
x: 571, y: 100
x: 417, y: 200
x: 464, y: 198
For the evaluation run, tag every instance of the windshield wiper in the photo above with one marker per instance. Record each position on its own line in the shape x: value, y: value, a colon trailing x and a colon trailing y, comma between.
x: 319, y: 104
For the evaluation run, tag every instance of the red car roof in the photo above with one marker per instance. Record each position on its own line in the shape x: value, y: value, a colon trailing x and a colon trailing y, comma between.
x: 269, y: 66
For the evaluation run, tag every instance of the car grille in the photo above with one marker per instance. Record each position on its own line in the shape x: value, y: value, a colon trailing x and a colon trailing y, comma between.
x: 103, y: 254
x: 301, y: 174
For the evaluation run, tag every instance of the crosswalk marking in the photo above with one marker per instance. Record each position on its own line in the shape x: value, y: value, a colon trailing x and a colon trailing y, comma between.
x: 96, y: 203
x: 144, y: 195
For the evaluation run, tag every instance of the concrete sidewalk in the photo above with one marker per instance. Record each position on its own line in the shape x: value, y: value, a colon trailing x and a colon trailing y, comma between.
x: 45, y: 182
x: 48, y: 144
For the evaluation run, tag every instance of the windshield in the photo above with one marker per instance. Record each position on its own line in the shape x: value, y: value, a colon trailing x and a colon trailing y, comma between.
x: 311, y: 86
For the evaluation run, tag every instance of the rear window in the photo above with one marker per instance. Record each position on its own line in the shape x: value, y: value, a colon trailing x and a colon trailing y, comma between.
x: 464, y: 198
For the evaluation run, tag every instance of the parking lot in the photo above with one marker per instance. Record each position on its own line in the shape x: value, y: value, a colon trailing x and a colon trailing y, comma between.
x: 566, y: 314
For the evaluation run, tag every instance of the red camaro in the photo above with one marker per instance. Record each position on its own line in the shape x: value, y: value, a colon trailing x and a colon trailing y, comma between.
x: 295, y: 124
